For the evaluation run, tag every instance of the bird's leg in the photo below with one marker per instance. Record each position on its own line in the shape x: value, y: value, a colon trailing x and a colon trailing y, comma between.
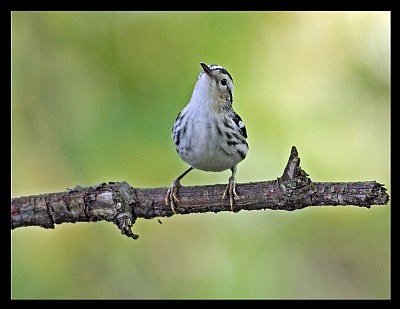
x: 231, y: 188
x: 172, y: 193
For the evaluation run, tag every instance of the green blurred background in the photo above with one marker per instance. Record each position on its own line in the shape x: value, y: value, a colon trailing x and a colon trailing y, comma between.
x: 94, y: 97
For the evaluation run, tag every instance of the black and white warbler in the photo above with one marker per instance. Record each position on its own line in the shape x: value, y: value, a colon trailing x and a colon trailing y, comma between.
x: 208, y: 134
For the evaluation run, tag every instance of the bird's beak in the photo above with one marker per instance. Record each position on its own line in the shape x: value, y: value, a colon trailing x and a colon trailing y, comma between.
x: 206, y: 69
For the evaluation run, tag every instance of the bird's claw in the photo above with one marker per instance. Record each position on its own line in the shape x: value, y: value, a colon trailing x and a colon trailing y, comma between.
x: 172, y: 195
x: 231, y: 191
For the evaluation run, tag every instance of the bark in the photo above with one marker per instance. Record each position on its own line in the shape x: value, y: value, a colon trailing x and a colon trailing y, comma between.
x: 122, y: 204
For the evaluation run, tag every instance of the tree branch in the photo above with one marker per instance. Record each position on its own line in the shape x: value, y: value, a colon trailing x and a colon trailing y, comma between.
x: 121, y: 204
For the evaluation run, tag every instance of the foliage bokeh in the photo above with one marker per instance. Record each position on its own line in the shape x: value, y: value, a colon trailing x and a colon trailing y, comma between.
x: 94, y: 97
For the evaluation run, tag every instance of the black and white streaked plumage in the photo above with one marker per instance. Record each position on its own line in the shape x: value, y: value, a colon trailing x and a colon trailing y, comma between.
x: 208, y: 134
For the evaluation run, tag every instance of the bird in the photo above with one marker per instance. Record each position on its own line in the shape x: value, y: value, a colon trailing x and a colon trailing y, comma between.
x: 208, y: 134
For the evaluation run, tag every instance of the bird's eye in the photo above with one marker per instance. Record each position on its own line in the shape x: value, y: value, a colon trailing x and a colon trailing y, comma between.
x: 223, y: 82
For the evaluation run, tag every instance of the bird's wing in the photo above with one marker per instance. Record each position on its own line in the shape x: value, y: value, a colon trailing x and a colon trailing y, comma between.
x: 239, y: 122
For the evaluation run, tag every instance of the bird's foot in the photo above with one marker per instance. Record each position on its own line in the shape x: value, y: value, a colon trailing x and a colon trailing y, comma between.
x: 172, y: 195
x: 231, y: 191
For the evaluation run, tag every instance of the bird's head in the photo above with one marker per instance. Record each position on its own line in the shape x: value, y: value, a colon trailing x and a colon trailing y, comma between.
x: 219, y: 82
